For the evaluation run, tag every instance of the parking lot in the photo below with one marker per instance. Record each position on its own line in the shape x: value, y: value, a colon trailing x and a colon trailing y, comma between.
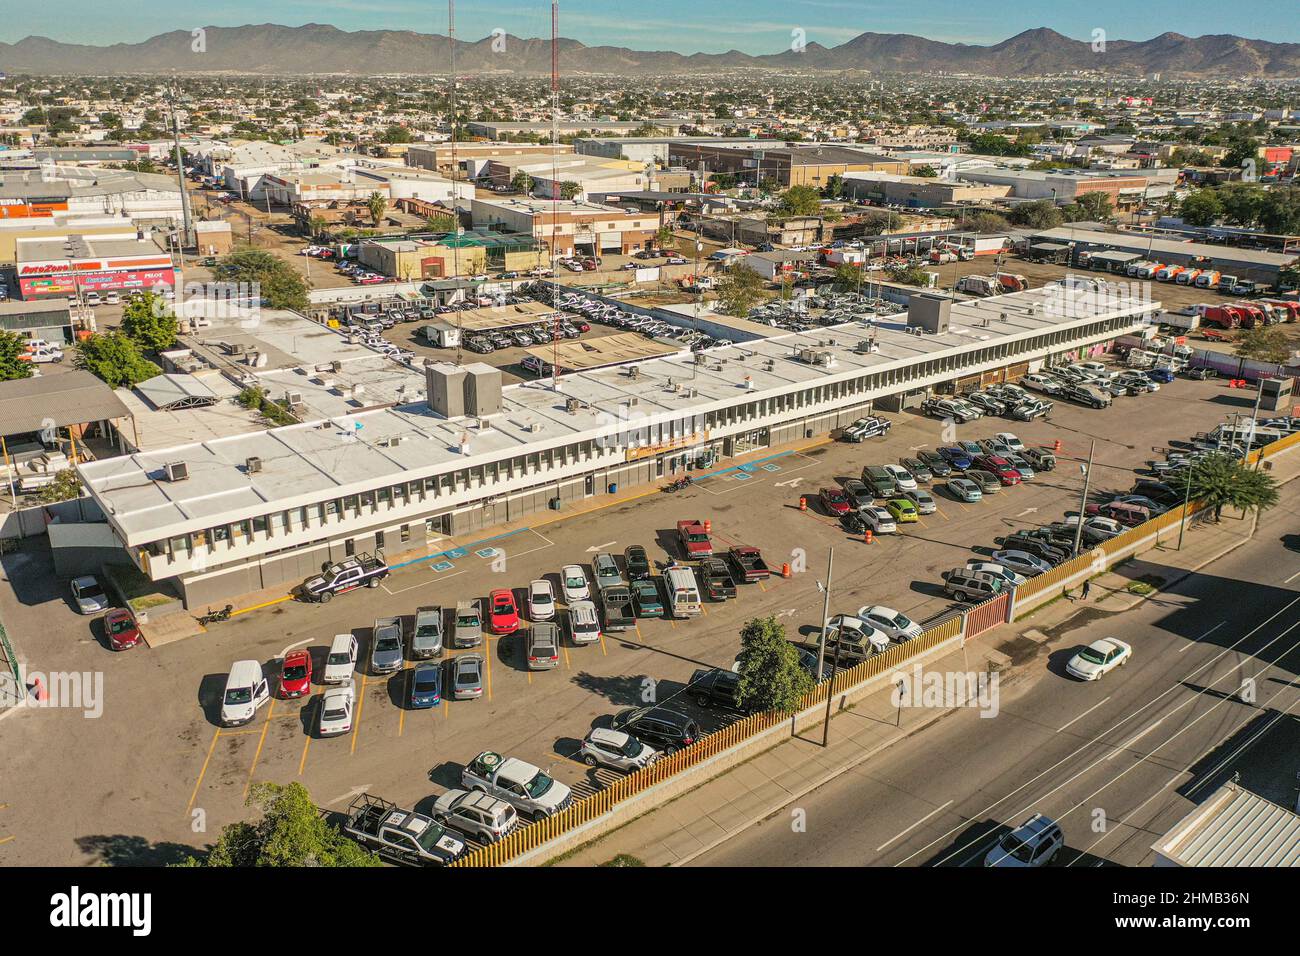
x: 182, y: 777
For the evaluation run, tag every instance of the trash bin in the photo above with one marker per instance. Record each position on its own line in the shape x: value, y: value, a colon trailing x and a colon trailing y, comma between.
x: 613, y: 487
x: 555, y: 504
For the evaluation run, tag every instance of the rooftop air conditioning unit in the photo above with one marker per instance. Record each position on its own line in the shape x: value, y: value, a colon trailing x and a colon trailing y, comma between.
x: 293, y: 398
x: 253, y: 465
x: 336, y: 366
x: 177, y: 470
x: 571, y: 405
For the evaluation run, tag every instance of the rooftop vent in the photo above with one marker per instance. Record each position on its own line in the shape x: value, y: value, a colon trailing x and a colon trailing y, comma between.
x: 253, y: 465
x: 176, y: 470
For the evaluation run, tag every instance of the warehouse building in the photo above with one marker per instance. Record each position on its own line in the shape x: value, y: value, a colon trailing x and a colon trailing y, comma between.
x: 76, y: 264
x: 51, y: 320
x: 787, y: 166
x: 414, y: 459
x: 1256, y: 265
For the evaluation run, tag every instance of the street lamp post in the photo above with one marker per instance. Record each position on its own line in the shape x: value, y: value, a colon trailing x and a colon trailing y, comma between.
x: 1083, y: 501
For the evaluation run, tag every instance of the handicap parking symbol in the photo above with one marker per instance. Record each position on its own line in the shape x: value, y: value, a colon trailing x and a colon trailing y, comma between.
x: 442, y: 566
x: 487, y: 552
x: 741, y: 476
x: 771, y: 467
x: 456, y: 553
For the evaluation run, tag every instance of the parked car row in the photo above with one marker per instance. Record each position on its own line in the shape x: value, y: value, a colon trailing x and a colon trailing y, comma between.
x: 595, y: 310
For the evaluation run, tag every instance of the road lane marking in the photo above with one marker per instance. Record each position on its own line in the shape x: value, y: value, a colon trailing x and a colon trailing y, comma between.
x: 1062, y: 728
x: 1292, y: 578
x: 903, y: 833
x: 1202, y: 637
x: 356, y: 718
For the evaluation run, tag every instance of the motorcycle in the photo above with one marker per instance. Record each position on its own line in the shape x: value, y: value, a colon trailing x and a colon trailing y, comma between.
x: 216, y: 617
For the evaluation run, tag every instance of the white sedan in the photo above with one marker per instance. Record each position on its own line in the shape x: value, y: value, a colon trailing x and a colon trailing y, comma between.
x: 1011, y: 441
x: 336, y: 708
x: 541, y: 600
x: 1098, y: 658
x: 1022, y: 562
x: 1009, y: 577
x: 902, y: 477
x: 898, y: 626
x: 573, y: 581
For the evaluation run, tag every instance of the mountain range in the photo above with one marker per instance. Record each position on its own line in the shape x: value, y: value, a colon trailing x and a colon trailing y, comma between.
x: 322, y: 49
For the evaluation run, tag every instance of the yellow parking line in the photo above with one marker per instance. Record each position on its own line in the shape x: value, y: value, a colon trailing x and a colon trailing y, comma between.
x: 565, y: 648
x: 203, y: 770
x: 4, y: 840
x: 603, y: 651
x: 446, y: 709
x: 356, y: 721
x: 306, y: 745
x: 487, y: 663
x: 762, y: 586
x: 266, y: 725
x: 255, y: 607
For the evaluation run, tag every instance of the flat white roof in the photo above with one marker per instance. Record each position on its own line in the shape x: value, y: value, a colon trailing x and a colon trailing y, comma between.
x: 310, y: 462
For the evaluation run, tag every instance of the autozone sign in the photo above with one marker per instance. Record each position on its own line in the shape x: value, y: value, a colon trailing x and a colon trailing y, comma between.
x: 43, y: 268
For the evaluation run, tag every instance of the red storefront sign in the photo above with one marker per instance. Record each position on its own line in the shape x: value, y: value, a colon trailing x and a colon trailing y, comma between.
x: 121, y: 280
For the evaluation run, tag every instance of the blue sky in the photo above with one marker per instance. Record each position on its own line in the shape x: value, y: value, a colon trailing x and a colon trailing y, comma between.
x: 755, y: 26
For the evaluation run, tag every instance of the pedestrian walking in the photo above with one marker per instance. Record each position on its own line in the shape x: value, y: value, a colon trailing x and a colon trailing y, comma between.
x: 1087, y: 589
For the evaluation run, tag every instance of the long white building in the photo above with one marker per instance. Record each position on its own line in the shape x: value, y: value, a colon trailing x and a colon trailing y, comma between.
x: 441, y: 452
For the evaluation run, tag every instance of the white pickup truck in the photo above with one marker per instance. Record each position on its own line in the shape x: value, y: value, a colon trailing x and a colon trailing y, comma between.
x: 519, y: 784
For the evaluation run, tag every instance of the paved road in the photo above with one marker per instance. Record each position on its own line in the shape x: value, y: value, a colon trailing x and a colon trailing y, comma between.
x: 153, y: 773
x: 1117, y: 762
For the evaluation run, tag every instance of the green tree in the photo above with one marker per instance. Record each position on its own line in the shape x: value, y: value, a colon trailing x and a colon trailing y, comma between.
x: 1039, y: 214
x: 1242, y: 202
x: 12, y: 364
x: 444, y: 222
x: 740, y: 289
x: 292, y: 832
x: 664, y: 237
x: 1201, y: 208
x: 569, y: 189
x: 985, y: 221
x: 1096, y: 206
x: 925, y: 172
x: 522, y: 182
x: 908, y: 275
x: 771, y: 677
x: 281, y: 286
x: 116, y: 359
x: 376, y: 205
x: 147, y: 321
x: 65, y: 486
x: 835, y: 186
x: 848, y: 277
x: 1265, y: 343
x: 317, y: 225
x: 397, y: 134
x: 1222, y: 481
x: 800, y: 201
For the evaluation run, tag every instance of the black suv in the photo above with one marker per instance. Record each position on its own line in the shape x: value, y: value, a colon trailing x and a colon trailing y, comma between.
x: 1035, y: 546
x: 636, y: 562
x: 715, y: 688
x: 664, y: 729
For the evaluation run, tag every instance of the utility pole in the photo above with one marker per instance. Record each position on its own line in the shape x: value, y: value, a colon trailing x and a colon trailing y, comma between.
x: 180, y: 175
x: 826, y: 616
x: 1083, y: 500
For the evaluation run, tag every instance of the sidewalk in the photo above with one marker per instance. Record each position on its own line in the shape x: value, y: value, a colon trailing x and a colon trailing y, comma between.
x: 719, y: 809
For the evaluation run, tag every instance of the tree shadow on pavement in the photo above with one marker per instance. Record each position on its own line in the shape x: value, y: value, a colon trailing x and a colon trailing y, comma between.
x: 122, y: 850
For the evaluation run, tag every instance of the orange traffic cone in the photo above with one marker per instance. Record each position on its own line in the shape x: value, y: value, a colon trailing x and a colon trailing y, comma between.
x: 866, y: 536
x: 785, y: 570
x: 1056, y: 445
x: 708, y: 526
x: 803, y: 503
x: 39, y: 688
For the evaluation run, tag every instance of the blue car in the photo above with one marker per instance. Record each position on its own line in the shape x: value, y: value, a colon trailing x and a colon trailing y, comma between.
x: 1163, y: 375
x: 956, y: 457
x: 426, y: 686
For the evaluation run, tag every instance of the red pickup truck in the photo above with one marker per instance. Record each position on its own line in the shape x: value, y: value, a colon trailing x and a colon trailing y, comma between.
x: 695, y: 540
x: 749, y: 562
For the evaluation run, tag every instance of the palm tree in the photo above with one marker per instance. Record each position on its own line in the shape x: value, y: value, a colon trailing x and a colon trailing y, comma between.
x: 1220, y: 481
x: 317, y: 224
x: 377, y: 205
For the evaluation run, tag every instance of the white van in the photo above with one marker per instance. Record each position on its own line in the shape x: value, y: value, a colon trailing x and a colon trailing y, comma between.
x: 246, y: 690
x: 683, y: 592
x: 342, y: 660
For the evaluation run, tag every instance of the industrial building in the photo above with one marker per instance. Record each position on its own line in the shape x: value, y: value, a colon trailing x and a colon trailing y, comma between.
x: 568, y: 228
x: 1068, y: 242
x: 786, y: 166
x: 76, y: 264
x: 416, y: 257
x: 51, y: 320
x: 655, y: 149
x: 423, y: 454
x: 470, y: 158
x: 918, y: 191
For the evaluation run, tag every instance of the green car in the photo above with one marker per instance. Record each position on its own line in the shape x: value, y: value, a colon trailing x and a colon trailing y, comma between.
x: 902, y: 510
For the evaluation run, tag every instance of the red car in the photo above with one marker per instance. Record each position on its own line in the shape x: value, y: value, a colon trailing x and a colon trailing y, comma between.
x: 1006, y: 473
x: 582, y: 326
x: 835, y: 501
x: 295, y: 674
x: 120, y: 626
x: 503, y: 613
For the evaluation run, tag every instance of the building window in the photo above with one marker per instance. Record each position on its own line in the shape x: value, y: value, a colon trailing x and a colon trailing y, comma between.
x: 385, y: 496
x: 406, y: 532
x: 349, y: 547
x: 379, y: 540
x: 221, y: 533
x: 261, y: 524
